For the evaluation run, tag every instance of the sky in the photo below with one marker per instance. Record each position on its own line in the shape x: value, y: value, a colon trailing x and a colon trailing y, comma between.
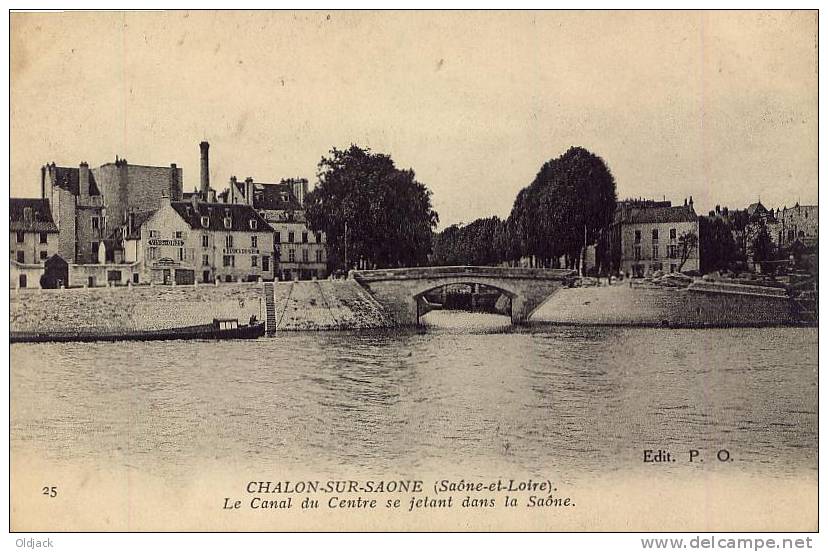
x: 721, y: 106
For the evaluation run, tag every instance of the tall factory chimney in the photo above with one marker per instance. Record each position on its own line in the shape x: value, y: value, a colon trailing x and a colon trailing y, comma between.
x: 205, y: 169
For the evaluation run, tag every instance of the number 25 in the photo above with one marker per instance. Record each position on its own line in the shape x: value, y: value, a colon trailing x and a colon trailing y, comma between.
x: 51, y: 492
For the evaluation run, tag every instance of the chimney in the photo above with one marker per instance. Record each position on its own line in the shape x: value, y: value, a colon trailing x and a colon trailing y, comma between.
x: 211, y: 196
x: 691, y: 204
x: 43, y: 182
x: 248, y: 190
x: 165, y: 200
x: 130, y: 223
x: 233, y: 190
x: 205, y: 168
x: 176, y: 186
x: 300, y: 190
x: 28, y: 216
x: 83, y: 180
x: 194, y: 199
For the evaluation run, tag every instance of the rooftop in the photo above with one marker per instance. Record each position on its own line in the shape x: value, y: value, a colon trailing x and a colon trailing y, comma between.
x: 39, y: 218
x: 215, y: 213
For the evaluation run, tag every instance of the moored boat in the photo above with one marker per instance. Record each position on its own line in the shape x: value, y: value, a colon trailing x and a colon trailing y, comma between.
x: 218, y: 329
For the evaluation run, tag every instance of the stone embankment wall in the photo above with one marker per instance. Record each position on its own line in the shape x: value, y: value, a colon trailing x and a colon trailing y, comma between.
x: 326, y: 305
x: 650, y: 306
x: 323, y: 305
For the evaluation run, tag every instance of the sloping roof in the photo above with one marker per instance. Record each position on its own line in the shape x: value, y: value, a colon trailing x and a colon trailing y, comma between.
x: 658, y: 215
x: 240, y: 216
x: 275, y: 197
x: 41, y: 215
x: 139, y: 218
x: 68, y: 178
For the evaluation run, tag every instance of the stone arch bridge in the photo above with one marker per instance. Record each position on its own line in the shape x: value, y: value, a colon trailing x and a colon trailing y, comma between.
x: 401, y: 290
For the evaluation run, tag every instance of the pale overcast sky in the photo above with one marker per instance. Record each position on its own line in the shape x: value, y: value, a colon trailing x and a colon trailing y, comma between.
x: 721, y: 106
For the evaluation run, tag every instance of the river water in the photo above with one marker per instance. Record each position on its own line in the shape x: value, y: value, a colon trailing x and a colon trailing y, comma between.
x: 468, y: 390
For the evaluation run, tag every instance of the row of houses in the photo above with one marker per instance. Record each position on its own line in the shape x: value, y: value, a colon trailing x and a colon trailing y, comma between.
x: 648, y: 236
x: 121, y: 223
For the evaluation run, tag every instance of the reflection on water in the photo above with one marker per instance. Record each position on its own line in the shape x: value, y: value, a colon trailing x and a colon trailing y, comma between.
x: 467, y: 389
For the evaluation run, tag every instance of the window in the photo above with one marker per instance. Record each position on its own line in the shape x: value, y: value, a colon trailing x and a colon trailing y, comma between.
x: 229, y: 260
x: 265, y: 263
x: 43, y: 255
x: 135, y: 277
x: 304, y: 237
x: 228, y: 222
x: 319, y: 237
x: 672, y: 251
x: 180, y: 253
x: 672, y: 233
x: 254, y: 241
x: 318, y: 255
x: 179, y: 235
x: 21, y: 257
x: 254, y: 260
x: 228, y: 241
x: 304, y: 255
x: 96, y: 223
x: 655, y: 252
x: 290, y: 237
x: 278, y: 237
x: 672, y: 268
x: 637, y: 252
x: 20, y: 237
x: 292, y: 256
x: 638, y: 236
x: 153, y: 233
x: 205, y: 240
x: 44, y: 237
x: 253, y: 224
x: 205, y: 222
x: 152, y: 253
x: 655, y: 234
x: 205, y: 260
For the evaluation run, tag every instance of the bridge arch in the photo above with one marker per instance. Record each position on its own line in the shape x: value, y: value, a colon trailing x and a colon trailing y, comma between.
x: 503, y: 287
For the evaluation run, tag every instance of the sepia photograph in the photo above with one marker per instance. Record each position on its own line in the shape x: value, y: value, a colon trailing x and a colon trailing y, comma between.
x: 420, y: 271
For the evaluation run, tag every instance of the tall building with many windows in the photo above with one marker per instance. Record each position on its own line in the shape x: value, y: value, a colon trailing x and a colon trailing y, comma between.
x: 184, y: 242
x: 301, y: 253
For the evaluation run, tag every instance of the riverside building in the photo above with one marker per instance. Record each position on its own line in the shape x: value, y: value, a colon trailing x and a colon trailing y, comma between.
x: 184, y: 242
x: 88, y: 205
x: 33, y: 239
x: 646, y: 237
x: 301, y: 254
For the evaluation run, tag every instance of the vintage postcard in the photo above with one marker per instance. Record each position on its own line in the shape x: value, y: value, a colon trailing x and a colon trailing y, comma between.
x: 414, y: 271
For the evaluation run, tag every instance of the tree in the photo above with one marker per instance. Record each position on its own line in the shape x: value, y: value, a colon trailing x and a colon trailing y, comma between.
x: 717, y: 248
x: 565, y: 208
x: 688, y: 242
x: 763, y: 250
x: 477, y: 243
x: 382, y: 213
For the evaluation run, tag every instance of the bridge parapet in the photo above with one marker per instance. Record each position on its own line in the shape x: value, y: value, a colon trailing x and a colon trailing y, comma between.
x: 432, y: 272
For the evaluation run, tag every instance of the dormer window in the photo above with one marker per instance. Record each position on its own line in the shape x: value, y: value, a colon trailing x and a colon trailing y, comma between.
x: 205, y: 222
x: 253, y: 224
x: 228, y: 222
